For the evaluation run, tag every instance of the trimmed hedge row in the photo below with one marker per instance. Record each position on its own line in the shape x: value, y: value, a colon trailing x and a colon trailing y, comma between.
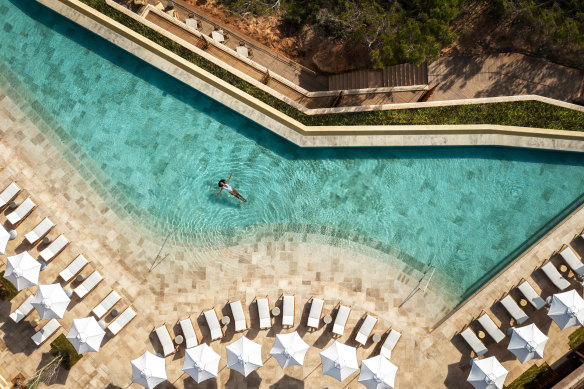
x: 524, y: 114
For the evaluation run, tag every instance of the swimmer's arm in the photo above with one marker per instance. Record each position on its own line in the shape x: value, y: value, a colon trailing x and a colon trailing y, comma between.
x: 229, y: 178
x: 219, y: 192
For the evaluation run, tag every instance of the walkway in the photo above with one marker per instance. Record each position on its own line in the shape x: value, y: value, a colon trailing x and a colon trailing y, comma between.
x: 503, y: 75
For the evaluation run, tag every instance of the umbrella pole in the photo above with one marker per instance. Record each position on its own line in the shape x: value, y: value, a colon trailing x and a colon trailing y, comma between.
x: 266, y: 361
x: 317, y: 366
x: 178, y: 378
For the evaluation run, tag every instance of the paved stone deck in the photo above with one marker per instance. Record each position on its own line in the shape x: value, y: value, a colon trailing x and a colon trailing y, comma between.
x: 192, y: 279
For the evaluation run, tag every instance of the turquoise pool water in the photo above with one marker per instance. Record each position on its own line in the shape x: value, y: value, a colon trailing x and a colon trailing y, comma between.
x: 163, y: 147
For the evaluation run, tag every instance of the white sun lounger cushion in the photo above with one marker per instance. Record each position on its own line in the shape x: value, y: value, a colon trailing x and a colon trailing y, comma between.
x: 213, y: 323
x: 572, y: 260
x: 288, y: 311
x: 73, y: 268
x: 315, y: 312
x: 264, y: 313
x: 54, y: 248
x: 106, y: 304
x: 39, y: 231
x: 389, y: 344
x: 366, y: 329
x: 531, y: 295
x: 165, y: 340
x: 238, y: 316
x: 121, y: 321
x: 555, y: 277
x: 8, y: 194
x: 20, y: 213
x: 188, y: 331
x: 341, y: 320
x: 46, y: 332
x: 88, y: 285
x: 514, y: 310
x: 23, y: 310
x: 474, y: 342
x: 491, y: 328
x: 4, y: 241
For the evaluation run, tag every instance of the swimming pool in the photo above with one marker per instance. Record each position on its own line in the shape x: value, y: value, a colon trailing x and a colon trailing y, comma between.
x: 160, y: 147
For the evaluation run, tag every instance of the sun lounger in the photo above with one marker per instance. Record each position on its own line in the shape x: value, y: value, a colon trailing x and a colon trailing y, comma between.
x: 165, y: 340
x: 531, y: 295
x: 474, y: 342
x: 572, y: 260
x: 341, y: 320
x: 514, y: 310
x: 365, y: 329
x: 23, y: 310
x: 8, y: 194
x: 288, y: 311
x: 106, y: 304
x: 88, y: 285
x: 122, y: 321
x: 189, y: 333
x: 54, y: 248
x: 39, y: 231
x: 21, y: 212
x: 554, y: 276
x: 74, y: 268
x: 264, y: 313
x: 491, y: 328
x: 315, y: 312
x: 213, y: 323
x: 46, y: 332
x: 389, y: 344
x: 238, y: 316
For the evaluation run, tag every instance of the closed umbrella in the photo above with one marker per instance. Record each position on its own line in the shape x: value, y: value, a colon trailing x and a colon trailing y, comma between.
x: 51, y: 302
x: 86, y: 335
x: 289, y: 349
x: 148, y: 370
x: 567, y: 309
x: 378, y: 373
x: 487, y: 373
x: 22, y: 270
x: 244, y: 356
x: 527, y: 343
x: 339, y: 360
x: 4, y: 238
x: 201, y: 363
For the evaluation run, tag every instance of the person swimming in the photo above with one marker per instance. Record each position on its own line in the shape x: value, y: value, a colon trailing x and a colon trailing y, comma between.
x: 223, y: 184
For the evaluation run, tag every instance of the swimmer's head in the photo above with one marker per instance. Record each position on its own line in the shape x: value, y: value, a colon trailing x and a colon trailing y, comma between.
x: 221, y: 183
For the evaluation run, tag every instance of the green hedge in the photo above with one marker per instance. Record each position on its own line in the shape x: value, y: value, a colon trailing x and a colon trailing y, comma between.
x: 525, y: 114
x: 528, y: 377
x: 576, y: 338
x: 61, y: 346
x: 7, y: 285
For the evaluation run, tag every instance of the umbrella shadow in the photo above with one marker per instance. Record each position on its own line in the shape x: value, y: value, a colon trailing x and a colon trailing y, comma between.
x: 190, y: 383
x: 238, y: 381
x: 288, y: 382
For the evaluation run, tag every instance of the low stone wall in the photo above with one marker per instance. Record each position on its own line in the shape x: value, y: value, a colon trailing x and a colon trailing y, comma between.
x: 306, y: 136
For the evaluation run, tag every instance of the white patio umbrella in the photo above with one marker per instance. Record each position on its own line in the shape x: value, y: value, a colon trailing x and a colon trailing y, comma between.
x: 244, y: 356
x: 378, y: 373
x: 487, y: 373
x: 148, y: 370
x: 289, y: 349
x: 567, y: 309
x: 201, y: 363
x: 50, y: 301
x: 86, y: 335
x: 22, y: 270
x: 339, y: 360
x: 4, y: 238
x: 527, y: 343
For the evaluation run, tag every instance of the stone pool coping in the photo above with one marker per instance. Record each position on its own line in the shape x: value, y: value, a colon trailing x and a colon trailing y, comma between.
x: 323, y: 136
